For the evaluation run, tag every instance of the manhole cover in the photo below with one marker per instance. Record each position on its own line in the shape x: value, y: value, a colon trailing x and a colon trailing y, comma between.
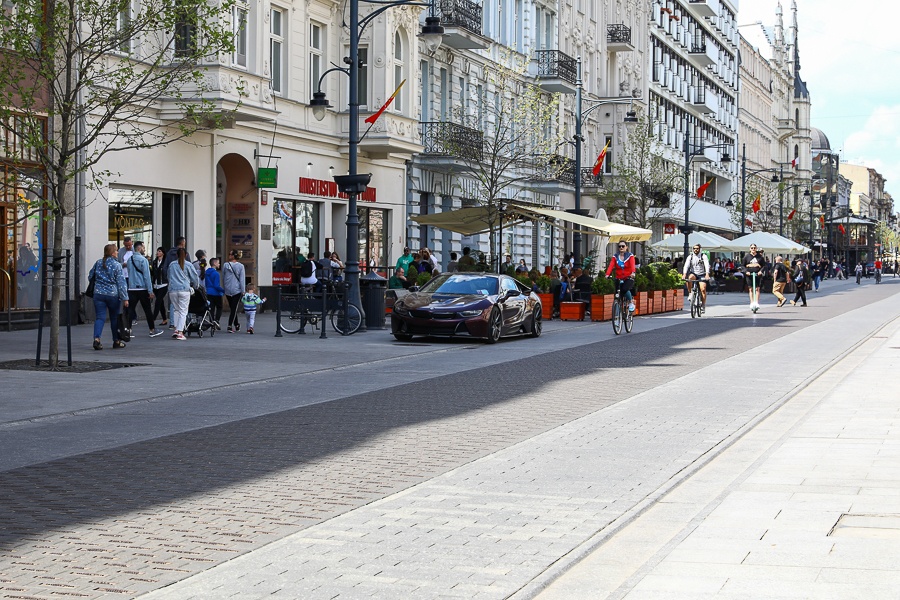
x: 27, y: 364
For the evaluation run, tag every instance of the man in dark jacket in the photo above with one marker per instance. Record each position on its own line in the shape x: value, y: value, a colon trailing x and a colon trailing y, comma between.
x: 801, y: 279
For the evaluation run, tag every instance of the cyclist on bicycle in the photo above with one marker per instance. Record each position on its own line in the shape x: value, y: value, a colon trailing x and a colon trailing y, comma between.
x: 696, y: 268
x: 878, y: 266
x: 623, y: 264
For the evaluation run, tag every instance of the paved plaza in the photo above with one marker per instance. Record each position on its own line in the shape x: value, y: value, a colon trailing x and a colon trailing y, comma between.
x: 734, y: 456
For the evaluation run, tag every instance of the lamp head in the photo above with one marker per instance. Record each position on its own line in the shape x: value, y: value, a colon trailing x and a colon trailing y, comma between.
x: 432, y: 33
x: 729, y: 204
x: 726, y: 158
x: 806, y: 193
x: 630, y: 117
x: 319, y: 105
x: 775, y: 178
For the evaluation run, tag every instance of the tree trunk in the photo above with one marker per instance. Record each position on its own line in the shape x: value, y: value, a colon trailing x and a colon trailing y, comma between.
x: 55, y: 287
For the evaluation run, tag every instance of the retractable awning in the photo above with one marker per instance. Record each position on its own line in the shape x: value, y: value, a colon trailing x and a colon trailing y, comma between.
x: 469, y: 221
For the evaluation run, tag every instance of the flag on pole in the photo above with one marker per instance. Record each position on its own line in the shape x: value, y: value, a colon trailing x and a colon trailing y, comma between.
x: 756, y: 203
x: 841, y: 229
x: 374, y: 117
x: 794, y: 163
x: 702, y: 189
x: 599, y: 164
x: 822, y: 221
x: 791, y: 216
x: 748, y: 222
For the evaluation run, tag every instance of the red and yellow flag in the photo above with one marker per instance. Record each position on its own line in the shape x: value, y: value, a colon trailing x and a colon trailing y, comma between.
x: 822, y: 221
x: 791, y: 216
x: 841, y: 229
x: 757, y: 203
x: 702, y: 189
x: 599, y: 164
x: 374, y: 117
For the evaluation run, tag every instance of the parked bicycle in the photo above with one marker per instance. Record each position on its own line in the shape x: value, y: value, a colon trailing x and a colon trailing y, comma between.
x: 621, y: 315
x: 307, y: 310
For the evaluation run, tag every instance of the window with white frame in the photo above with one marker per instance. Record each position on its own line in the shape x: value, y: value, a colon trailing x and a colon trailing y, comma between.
x: 399, y: 72
x: 185, y: 42
x: 123, y: 27
x: 362, y: 85
x: 239, y: 16
x: 445, y: 100
x: 276, y: 48
x: 316, y: 54
x: 546, y: 20
x: 425, y: 90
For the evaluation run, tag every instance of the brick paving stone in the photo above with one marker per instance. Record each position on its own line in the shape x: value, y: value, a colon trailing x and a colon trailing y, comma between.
x: 248, y: 483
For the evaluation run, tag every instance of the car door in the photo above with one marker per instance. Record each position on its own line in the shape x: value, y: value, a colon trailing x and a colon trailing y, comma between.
x: 512, y: 304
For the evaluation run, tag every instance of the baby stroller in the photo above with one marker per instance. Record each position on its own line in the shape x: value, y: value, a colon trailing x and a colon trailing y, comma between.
x: 199, y: 316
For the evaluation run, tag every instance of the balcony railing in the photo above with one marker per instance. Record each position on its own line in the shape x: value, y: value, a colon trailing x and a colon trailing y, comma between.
x: 461, y: 13
x: 556, y: 64
x: 443, y: 138
x: 698, y: 44
x: 555, y: 168
x: 618, y: 34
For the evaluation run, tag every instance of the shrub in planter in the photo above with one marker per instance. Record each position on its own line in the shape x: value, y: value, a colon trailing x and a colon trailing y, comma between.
x: 602, y: 295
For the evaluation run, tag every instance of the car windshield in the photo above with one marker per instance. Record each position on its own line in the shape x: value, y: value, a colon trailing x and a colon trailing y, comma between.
x: 462, y: 285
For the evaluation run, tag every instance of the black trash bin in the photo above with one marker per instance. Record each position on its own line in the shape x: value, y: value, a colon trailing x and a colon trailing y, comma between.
x: 371, y: 288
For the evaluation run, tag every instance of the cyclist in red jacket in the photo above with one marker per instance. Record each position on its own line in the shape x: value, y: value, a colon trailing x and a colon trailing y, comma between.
x: 623, y: 264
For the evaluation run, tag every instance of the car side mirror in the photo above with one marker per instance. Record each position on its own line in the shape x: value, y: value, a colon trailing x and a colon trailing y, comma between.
x: 414, y: 288
x: 511, y: 294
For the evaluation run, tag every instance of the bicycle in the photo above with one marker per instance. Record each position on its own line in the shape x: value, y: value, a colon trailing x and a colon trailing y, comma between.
x: 621, y: 315
x: 696, y: 299
x: 309, y: 310
x: 877, y: 276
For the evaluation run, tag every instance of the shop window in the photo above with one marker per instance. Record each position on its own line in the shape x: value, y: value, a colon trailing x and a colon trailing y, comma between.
x: 372, y: 237
x: 295, y: 233
x: 131, y: 215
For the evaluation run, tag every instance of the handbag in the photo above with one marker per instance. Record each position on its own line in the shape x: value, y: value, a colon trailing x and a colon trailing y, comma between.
x: 191, y: 288
x: 89, y: 292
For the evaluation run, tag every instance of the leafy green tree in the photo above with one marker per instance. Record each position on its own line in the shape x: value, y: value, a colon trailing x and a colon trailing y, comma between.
x: 519, y: 139
x: 82, y: 78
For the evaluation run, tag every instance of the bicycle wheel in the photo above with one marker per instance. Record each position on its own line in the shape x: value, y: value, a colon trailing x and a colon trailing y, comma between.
x: 698, y: 300
x: 628, y: 317
x: 617, y: 316
x: 695, y: 311
x: 354, y: 319
x: 292, y: 323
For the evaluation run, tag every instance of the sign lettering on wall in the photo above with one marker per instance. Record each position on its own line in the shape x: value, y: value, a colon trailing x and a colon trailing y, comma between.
x: 329, y: 189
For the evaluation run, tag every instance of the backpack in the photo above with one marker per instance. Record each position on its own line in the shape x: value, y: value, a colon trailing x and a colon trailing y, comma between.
x: 306, y: 269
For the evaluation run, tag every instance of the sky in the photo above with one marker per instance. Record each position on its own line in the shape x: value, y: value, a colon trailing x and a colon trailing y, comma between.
x: 850, y: 61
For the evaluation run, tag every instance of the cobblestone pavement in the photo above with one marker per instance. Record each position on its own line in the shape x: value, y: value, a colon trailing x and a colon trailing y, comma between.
x: 122, y: 521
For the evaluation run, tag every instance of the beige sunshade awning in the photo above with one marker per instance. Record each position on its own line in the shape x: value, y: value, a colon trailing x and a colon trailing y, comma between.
x: 616, y: 232
x: 467, y: 221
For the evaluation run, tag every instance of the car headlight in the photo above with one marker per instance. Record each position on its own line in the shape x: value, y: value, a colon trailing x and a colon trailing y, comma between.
x: 470, y: 313
x: 400, y: 309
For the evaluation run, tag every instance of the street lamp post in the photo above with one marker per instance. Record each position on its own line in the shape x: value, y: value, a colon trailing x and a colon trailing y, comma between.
x: 578, y: 139
x: 354, y: 183
x: 688, y: 155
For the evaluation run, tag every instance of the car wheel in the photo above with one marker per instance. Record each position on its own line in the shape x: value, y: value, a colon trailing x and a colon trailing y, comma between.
x: 495, y: 326
x: 537, y: 325
x: 403, y: 337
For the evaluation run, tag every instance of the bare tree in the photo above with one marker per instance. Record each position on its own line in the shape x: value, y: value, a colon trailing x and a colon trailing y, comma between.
x: 82, y: 78
x: 639, y: 191
x: 518, y: 138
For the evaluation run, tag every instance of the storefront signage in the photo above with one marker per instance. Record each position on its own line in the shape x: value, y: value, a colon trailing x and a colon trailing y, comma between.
x: 242, y: 239
x: 329, y: 189
x: 281, y: 279
x: 267, y: 177
x: 669, y: 228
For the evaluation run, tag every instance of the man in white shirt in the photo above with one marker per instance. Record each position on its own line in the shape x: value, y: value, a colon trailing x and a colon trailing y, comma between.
x: 696, y: 268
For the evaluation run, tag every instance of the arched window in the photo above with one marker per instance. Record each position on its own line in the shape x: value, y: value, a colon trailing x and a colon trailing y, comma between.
x: 399, y: 72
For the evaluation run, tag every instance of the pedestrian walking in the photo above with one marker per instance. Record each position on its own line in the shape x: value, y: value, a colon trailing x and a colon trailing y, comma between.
x: 235, y: 285
x: 801, y: 280
x: 140, y: 288
x: 250, y: 302
x: 160, y: 285
x: 182, y: 278
x: 110, y: 293
x: 214, y: 291
x: 781, y: 279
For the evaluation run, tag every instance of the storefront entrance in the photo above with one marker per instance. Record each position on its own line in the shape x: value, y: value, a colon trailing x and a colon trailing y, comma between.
x: 21, y: 239
x: 295, y: 233
x: 237, y: 213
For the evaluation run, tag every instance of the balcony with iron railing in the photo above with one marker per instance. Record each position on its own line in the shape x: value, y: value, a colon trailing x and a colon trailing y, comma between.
x: 618, y: 38
x: 444, y: 139
x: 701, y: 51
x: 553, y: 173
x: 462, y: 22
x: 702, y: 8
x: 556, y: 71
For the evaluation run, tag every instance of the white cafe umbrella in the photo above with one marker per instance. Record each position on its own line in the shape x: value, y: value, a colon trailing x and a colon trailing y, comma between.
x: 768, y: 242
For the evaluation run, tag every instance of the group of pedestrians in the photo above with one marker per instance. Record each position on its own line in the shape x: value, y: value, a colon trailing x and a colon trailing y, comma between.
x: 124, y: 278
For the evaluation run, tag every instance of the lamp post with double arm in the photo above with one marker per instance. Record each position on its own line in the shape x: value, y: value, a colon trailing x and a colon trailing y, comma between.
x: 744, y: 175
x: 689, y: 154
x: 354, y: 183
x: 580, y: 114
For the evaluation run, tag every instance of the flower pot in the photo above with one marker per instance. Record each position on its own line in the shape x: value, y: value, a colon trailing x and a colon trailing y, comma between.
x: 571, y: 311
x: 601, y: 307
x: 652, y: 299
x: 678, y: 299
x: 668, y: 297
x: 640, y: 302
x: 546, y: 306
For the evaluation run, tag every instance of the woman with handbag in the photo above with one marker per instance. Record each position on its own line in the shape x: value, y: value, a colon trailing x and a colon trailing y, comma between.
x: 110, y: 292
x: 183, y: 279
x: 234, y: 284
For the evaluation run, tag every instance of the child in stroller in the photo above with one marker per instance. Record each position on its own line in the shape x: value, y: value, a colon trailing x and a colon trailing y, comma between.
x: 199, y: 316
